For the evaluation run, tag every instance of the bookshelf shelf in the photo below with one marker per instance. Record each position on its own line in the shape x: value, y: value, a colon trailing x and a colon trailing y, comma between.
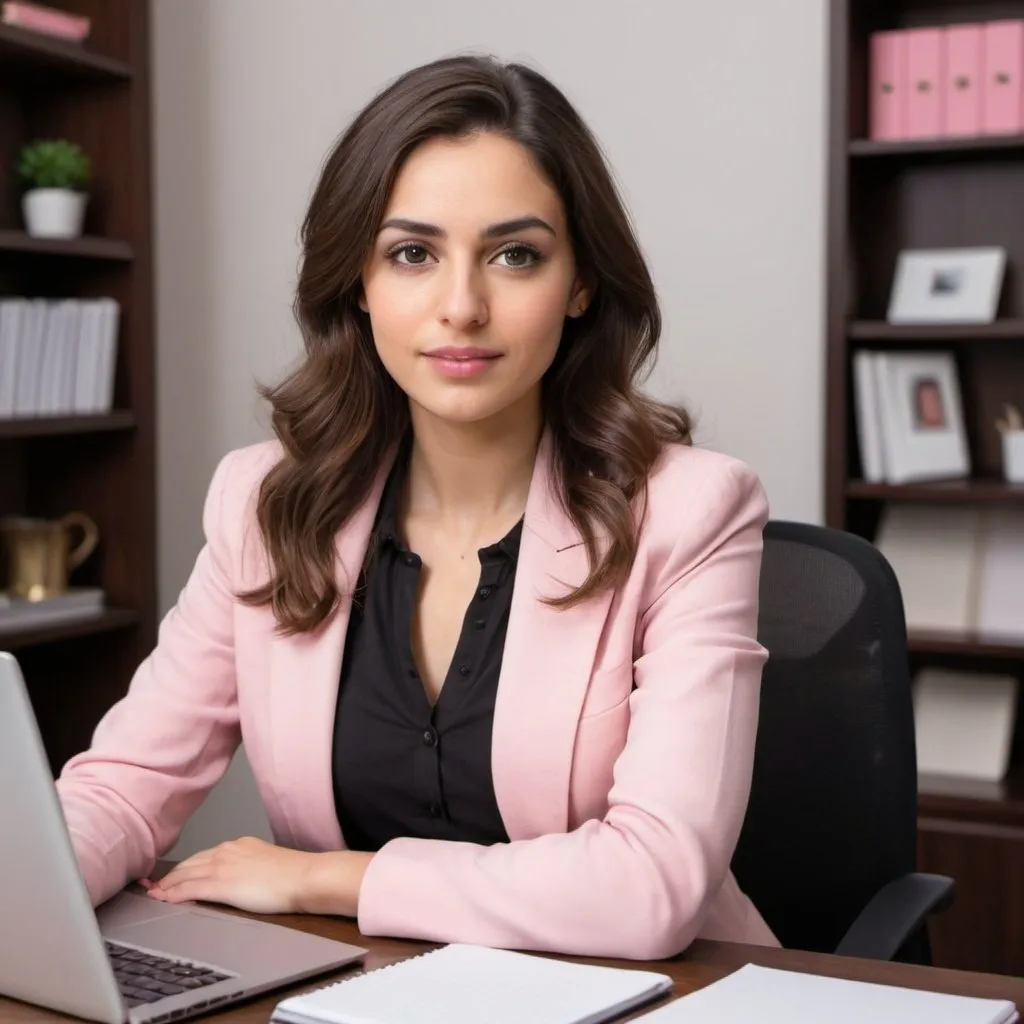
x: 953, y: 491
x: 968, y: 146
x: 974, y: 800
x: 935, y: 334
x: 86, y: 248
x: 32, y: 636
x: 31, y: 55
x: 922, y: 642
x: 51, y: 426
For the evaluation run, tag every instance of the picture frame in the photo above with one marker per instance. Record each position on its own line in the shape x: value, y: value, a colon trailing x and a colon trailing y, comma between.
x: 947, y: 286
x: 921, y: 413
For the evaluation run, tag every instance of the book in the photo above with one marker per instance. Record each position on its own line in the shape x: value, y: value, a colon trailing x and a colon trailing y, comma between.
x: 963, y: 722
x: 58, y: 357
x: 464, y: 984
x: 771, y: 996
x: 77, y: 604
x: 1000, y: 616
x: 45, y: 20
x: 933, y: 550
x: 869, y: 429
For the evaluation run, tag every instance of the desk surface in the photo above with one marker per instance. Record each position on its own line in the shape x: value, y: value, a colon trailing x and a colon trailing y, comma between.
x: 702, y: 964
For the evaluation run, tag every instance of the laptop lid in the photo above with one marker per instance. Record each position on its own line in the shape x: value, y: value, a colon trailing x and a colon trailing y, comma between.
x: 51, y: 952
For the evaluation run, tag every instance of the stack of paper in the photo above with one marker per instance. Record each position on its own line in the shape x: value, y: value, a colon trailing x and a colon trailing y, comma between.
x: 788, y: 997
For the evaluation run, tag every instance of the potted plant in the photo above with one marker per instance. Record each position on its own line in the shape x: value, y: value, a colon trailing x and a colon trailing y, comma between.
x: 55, y: 173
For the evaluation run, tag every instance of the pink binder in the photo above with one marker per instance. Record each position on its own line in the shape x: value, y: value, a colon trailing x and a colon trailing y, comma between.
x: 925, y: 76
x: 962, y: 82
x: 1003, y: 94
x: 888, y: 99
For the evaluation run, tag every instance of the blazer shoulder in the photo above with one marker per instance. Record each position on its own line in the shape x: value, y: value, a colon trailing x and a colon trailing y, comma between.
x: 696, y: 496
x: 229, y: 514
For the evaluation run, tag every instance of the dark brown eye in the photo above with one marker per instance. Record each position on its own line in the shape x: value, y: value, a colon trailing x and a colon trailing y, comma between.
x: 414, y: 254
x: 519, y: 257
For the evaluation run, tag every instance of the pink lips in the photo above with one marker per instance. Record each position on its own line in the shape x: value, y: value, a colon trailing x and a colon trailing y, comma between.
x: 462, y: 361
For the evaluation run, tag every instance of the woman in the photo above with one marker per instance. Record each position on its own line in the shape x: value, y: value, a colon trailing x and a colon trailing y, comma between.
x: 483, y: 618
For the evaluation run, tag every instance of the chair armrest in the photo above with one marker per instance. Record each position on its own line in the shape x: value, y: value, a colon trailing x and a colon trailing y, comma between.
x: 894, y: 914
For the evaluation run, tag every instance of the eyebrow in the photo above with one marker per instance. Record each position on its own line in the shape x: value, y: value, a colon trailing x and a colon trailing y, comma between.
x: 506, y: 227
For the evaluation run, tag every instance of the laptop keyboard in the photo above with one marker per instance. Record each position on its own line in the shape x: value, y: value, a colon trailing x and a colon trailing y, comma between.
x: 144, y: 977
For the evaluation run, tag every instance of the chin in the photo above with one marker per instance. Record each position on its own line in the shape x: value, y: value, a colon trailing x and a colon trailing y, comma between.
x: 462, y: 409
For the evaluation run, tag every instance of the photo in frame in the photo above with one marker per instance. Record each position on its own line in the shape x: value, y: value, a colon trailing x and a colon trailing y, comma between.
x: 921, y: 417
x: 947, y: 286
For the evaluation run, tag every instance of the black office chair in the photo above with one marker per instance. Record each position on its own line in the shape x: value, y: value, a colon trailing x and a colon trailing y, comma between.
x: 827, y: 851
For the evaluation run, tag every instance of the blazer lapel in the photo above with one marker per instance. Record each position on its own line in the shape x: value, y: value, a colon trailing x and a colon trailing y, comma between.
x: 546, y: 666
x: 305, y: 673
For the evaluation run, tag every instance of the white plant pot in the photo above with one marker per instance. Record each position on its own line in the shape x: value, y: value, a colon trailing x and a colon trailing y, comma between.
x: 1013, y: 456
x: 54, y: 212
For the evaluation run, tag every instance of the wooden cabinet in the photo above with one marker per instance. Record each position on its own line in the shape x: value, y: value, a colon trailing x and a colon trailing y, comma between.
x: 984, y: 929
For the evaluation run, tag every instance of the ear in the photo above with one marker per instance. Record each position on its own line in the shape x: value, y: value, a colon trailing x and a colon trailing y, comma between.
x: 363, y: 305
x: 579, y: 299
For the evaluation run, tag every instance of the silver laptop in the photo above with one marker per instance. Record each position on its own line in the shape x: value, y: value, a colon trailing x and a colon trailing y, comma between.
x: 134, y: 959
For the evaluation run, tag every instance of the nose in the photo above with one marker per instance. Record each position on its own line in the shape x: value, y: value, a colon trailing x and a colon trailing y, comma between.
x: 463, y: 301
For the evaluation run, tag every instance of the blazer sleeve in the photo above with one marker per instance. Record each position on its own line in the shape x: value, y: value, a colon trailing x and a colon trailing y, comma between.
x: 158, y: 751
x: 638, y: 883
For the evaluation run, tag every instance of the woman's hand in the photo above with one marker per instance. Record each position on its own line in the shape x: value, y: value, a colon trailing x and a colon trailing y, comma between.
x: 261, y: 878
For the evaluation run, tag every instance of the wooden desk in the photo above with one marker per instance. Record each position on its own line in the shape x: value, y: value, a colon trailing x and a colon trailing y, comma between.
x: 703, y: 963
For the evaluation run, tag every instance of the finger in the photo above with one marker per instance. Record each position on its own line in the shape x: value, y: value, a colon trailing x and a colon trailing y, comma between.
x: 192, y: 874
x: 209, y: 890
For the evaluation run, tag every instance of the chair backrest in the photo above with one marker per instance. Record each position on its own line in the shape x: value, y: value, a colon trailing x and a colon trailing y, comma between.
x: 832, y: 815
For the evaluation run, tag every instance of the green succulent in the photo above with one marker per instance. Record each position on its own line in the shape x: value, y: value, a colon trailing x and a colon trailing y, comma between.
x: 54, y: 163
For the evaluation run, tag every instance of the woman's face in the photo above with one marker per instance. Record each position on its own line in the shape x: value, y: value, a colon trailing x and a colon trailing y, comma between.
x: 470, y: 279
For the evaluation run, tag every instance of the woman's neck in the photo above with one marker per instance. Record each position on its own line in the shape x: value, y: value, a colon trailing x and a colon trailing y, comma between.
x: 472, y: 475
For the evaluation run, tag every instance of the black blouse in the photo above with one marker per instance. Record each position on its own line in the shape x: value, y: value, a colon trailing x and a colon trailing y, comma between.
x: 404, y: 768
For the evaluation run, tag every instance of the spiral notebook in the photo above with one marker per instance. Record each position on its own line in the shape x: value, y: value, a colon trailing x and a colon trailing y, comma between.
x: 463, y: 984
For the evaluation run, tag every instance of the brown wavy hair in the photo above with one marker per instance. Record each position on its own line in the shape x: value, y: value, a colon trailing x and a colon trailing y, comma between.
x: 339, y: 414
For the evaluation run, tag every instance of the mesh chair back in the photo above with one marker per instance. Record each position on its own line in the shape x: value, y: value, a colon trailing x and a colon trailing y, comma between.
x: 832, y: 815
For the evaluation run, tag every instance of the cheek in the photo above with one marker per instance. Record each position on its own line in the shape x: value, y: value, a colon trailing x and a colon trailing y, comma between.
x: 394, y: 320
x: 531, y: 322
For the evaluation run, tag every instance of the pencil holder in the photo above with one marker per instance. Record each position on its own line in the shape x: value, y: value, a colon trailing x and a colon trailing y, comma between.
x: 1013, y: 456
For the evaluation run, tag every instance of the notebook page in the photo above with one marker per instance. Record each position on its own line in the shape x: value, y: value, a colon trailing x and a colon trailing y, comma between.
x: 462, y: 984
x: 787, y: 997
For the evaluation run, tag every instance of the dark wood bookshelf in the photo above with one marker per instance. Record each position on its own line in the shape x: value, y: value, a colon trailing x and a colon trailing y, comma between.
x: 50, y: 426
x: 32, y: 636
x: 952, y: 491
x: 32, y: 56
x: 85, y: 247
x: 885, y: 197
x: 966, y: 146
x: 97, y: 95
x: 935, y: 334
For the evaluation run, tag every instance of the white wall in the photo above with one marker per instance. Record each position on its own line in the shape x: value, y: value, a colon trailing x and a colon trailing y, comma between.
x: 712, y: 115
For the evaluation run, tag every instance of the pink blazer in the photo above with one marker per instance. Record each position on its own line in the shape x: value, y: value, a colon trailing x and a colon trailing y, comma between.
x: 623, y: 804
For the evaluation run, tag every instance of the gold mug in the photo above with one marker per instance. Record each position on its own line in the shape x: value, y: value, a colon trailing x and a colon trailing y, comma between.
x: 40, y: 556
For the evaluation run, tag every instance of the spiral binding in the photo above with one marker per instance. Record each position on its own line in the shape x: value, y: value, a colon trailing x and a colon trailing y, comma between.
x: 361, y: 974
